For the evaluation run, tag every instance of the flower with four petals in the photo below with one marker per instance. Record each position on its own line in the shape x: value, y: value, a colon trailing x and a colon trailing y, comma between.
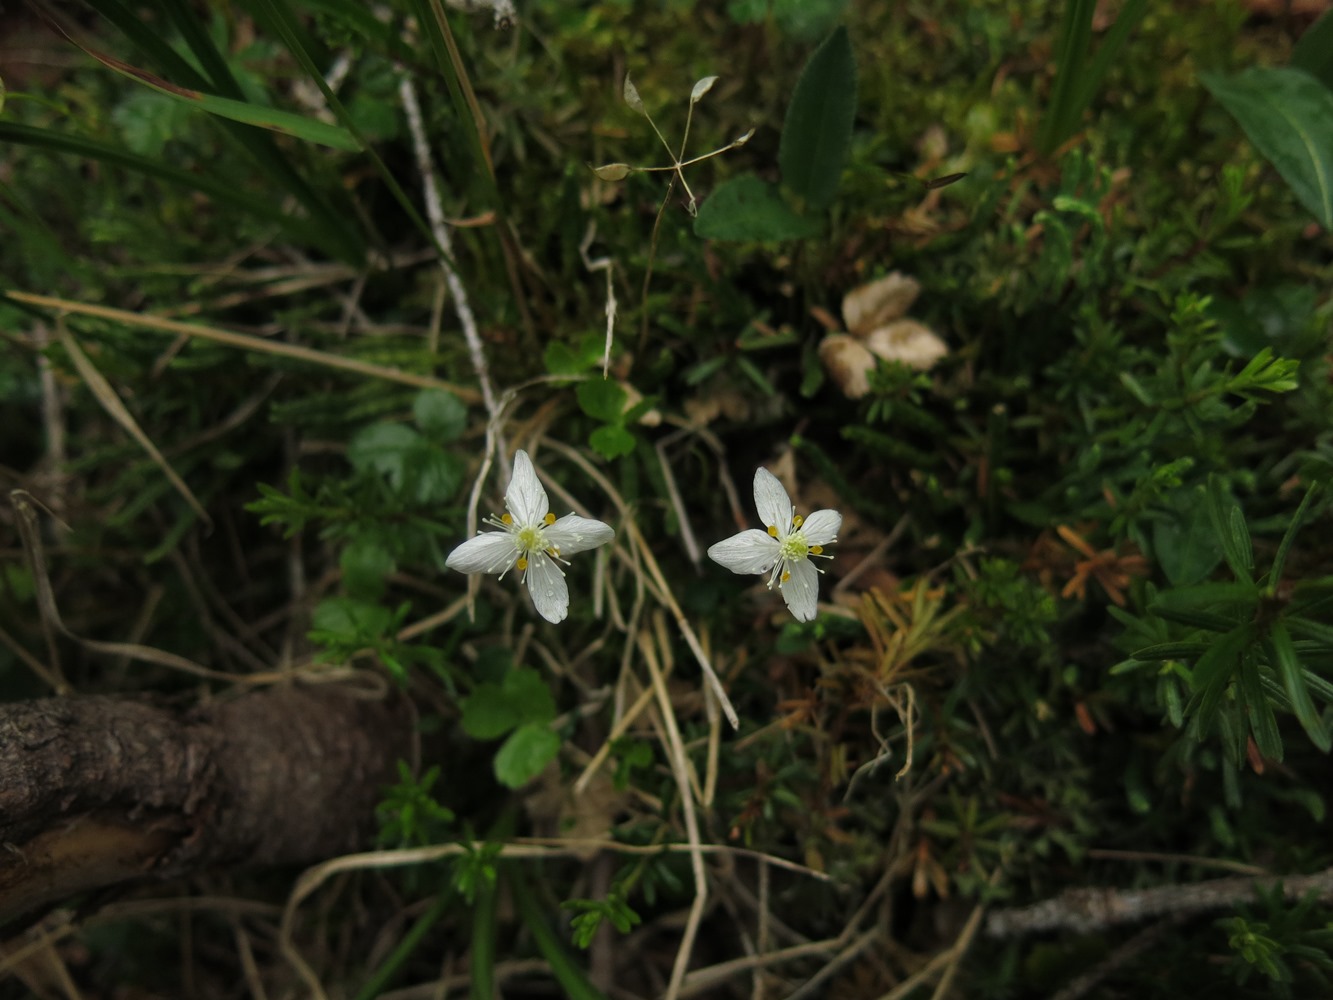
x: 784, y: 550
x: 532, y: 539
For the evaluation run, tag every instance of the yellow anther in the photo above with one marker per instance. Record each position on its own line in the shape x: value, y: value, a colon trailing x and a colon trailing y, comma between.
x: 785, y: 576
x: 507, y: 518
x: 549, y: 518
x: 772, y: 530
x: 797, y: 521
x: 816, y: 550
x: 553, y: 552
x: 522, y: 562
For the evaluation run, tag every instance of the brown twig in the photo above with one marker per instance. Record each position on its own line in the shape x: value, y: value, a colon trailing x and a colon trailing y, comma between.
x: 1085, y: 910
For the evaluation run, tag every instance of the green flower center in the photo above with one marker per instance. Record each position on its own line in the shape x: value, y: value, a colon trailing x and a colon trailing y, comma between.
x: 794, y: 547
x: 530, y: 539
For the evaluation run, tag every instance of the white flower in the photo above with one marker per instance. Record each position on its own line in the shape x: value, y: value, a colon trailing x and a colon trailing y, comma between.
x: 784, y: 548
x: 533, y: 540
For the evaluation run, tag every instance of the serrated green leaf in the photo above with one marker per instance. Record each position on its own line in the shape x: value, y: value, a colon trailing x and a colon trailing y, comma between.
x: 1286, y: 114
x: 528, y: 692
x: 611, y: 441
x: 817, y: 132
x: 525, y: 754
x: 382, y: 447
x: 745, y: 208
x: 601, y: 399
x: 349, y: 619
x: 441, y: 415
x: 416, y: 468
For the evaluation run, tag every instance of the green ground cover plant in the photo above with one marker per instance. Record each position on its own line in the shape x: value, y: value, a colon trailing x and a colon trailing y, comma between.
x: 1035, y: 297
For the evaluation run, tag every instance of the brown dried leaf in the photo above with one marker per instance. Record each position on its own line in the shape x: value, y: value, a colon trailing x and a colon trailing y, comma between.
x: 847, y: 361
x: 912, y: 343
x: 877, y: 303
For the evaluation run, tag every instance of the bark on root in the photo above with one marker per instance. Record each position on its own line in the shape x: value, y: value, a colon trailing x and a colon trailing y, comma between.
x: 99, y: 790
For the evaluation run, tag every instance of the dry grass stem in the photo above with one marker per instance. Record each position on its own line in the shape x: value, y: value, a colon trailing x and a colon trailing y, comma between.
x: 245, y: 342
x: 110, y: 402
x: 440, y: 230
x: 662, y: 589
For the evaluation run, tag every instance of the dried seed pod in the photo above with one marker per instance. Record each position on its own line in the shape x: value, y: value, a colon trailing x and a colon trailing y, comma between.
x: 848, y: 363
x: 875, y: 304
x: 914, y: 344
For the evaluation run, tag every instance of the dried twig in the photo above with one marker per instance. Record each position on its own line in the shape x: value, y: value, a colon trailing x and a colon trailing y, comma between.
x: 1087, y: 910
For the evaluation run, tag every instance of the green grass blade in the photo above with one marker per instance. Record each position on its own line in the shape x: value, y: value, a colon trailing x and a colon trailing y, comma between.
x: 94, y: 149
x: 482, y: 965
x: 403, y: 950
x: 288, y: 28
x: 1095, y: 73
x: 566, y: 971
x: 328, y: 227
x: 1061, y: 116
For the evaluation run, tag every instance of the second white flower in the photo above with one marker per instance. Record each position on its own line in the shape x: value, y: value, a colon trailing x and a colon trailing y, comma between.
x: 784, y: 549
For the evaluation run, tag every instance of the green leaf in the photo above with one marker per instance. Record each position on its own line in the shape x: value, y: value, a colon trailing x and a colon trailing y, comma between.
x: 1215, y: 669
x: 492, y: 710
x: 148, y: 121
x: 528, y: 692
x: 525, y: 754
x: 350, y: 621
x: 1314, y: 52
x: 365, y: 563
x: 488, y: 713
x: 1263, y: 723
x: 442, y: 416
x: 416, y: 469
x: 745, y: 208
x: 602, y: 399
x: 817, y: 132
x: 1289, y: 536
x: 611, y: 441
x: 1185, y: 545
x: 1228, y: 522
x: 1287, y: 114
x: 1288, y: 668
x: 566, y: 359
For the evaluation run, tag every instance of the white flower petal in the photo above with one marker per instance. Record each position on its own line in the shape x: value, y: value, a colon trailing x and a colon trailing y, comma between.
x: 772, y: 502
x: 525, y: 498
x: 491, y: 552
x: 801, y: 589
x: 821, y: 527
x: 546, y: 584
x: 752, y: 551
x: 573, y: 534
